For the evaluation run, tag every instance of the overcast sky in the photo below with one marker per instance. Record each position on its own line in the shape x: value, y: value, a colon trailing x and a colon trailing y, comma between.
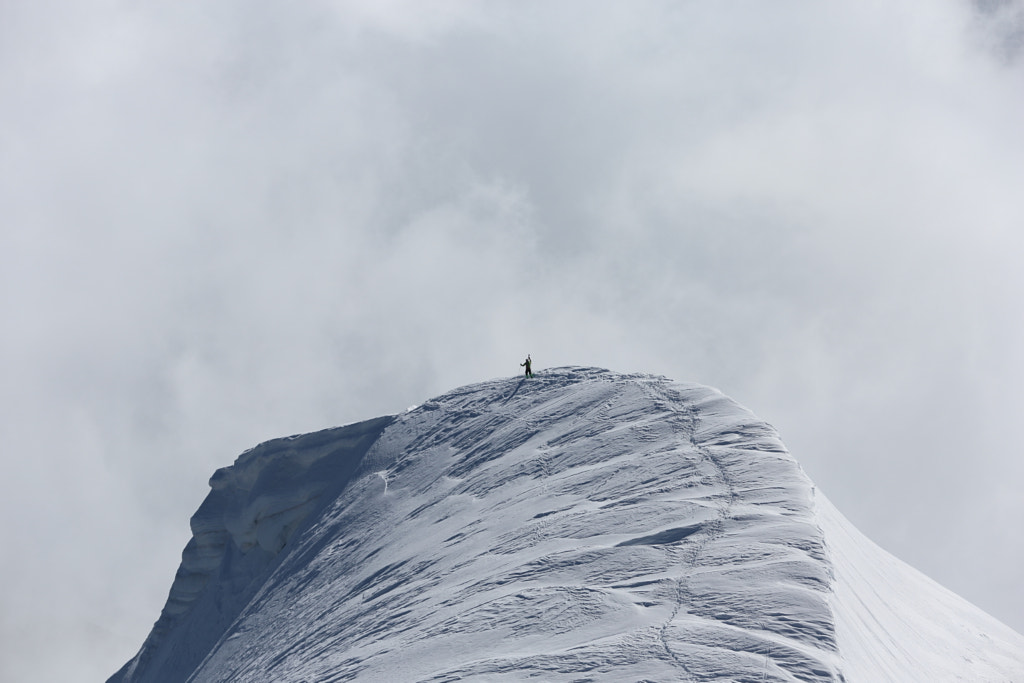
x: 224, y: 222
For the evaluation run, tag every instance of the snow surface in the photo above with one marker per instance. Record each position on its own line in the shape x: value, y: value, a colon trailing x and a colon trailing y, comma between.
x: 582, y: 525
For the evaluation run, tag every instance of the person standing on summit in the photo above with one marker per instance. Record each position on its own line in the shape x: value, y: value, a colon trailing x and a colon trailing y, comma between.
x: 527, y: 363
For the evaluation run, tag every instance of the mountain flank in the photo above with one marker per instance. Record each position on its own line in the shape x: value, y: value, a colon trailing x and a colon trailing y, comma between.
x: 581, y: 525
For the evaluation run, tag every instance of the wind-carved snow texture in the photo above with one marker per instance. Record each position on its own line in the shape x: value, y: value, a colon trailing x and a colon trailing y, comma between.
x: 578, y: 526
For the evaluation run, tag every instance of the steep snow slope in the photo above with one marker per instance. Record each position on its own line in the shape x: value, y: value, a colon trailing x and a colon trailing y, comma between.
x: 893, y: 623
x: 582, y: 525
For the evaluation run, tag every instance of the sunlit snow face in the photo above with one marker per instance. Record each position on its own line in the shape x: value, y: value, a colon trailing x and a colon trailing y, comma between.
x: 227, y: 224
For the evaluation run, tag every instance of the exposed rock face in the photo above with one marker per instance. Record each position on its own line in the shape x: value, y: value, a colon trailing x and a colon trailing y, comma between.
x: 581, y: 525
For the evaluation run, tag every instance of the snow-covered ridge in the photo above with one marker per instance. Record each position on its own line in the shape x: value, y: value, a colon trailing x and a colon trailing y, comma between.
x: 253, y: 509
x: 581, y: 525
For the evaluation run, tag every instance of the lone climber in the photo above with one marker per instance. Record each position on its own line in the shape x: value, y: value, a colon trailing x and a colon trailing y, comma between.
x: 526, y: 363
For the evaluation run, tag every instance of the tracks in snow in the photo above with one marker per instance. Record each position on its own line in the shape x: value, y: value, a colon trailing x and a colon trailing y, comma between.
x: 690, y: 418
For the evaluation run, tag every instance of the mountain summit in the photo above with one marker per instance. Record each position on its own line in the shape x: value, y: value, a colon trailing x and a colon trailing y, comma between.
x: 582, y: 525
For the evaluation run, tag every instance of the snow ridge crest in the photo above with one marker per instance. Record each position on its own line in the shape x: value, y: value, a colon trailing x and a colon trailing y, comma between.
x: 582, y: 524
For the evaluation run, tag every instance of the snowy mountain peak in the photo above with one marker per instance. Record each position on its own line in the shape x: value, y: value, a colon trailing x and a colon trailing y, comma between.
x: 580, y: 525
